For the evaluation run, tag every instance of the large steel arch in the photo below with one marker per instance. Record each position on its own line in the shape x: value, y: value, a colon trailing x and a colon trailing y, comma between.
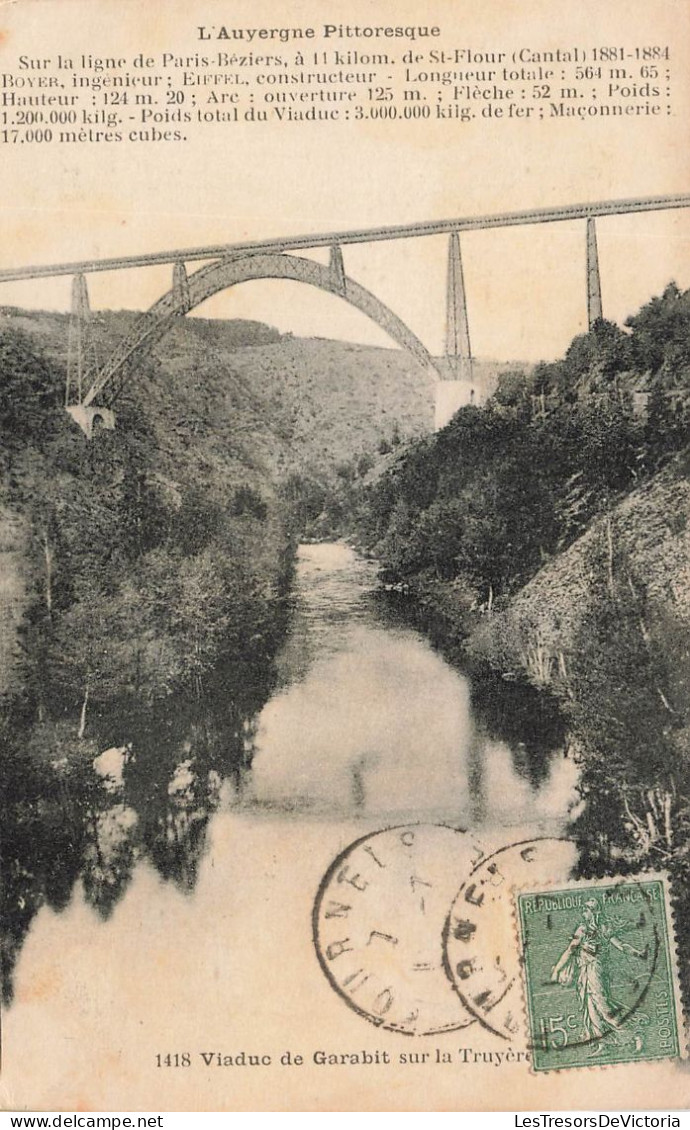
x: 225, y: 273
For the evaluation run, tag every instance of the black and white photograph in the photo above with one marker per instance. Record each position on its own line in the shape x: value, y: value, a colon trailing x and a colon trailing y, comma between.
x: 344, y: 570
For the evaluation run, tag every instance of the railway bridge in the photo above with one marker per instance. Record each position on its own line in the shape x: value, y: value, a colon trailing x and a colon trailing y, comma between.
x: 92, y: 386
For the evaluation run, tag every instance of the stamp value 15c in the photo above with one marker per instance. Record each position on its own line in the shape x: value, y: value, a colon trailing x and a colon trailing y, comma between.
x: 599, y: 973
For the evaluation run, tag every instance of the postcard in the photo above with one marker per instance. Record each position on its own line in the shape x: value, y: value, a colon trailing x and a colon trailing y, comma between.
x: 344, y: 589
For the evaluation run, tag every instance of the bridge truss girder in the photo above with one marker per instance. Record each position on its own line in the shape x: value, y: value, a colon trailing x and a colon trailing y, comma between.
x: 383, y: 233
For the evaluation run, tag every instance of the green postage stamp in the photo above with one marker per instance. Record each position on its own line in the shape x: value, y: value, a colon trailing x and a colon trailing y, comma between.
x: 600, y: 973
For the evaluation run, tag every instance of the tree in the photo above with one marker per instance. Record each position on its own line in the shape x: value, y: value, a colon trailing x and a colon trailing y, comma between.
x: 513, y: 390
x: 29, y: 396
x: 597, y: 356
x: 661, y: 332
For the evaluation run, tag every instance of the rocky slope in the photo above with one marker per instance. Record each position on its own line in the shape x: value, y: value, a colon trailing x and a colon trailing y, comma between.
x: 648, y: 534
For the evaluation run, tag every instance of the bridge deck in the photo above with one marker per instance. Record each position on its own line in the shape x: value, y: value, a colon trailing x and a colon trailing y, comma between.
x: 364, y: 235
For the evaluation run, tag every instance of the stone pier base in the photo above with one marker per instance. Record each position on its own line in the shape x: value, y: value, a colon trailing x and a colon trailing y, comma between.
x: 451, y: 395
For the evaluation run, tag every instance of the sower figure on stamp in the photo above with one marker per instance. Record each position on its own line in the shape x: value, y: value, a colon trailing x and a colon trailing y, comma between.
x: 588, y: 955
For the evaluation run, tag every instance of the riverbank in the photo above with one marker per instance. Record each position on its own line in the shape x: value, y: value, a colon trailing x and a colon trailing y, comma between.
x: 603, y: 631
x: 146, y: 579
x: 645, y: 540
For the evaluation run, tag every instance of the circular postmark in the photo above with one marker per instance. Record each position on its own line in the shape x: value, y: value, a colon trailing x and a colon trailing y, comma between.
x: 481, y: 953
x: 378, y: 922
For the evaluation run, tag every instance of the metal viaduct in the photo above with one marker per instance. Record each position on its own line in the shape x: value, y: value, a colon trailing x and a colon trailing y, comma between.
x: 91, y: 387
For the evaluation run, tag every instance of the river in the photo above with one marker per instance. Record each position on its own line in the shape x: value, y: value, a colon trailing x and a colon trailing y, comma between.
x: 369, y: 719
x: 199, y: 849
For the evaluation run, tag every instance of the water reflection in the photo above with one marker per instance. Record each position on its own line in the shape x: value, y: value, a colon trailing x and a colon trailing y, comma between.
x: 370, y: 719
x: 356, y: 716
x: 93, y: 811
